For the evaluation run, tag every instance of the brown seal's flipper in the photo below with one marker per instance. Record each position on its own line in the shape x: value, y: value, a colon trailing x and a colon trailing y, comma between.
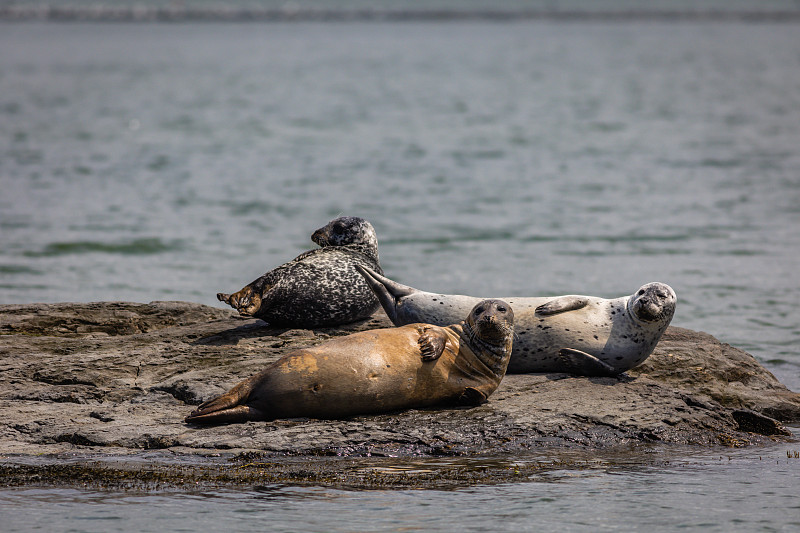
x: 240, y: 413
x: 431, y: 343
x: 388, y: 292
x: 578, y: 362
x: 472, y: 396
x: 229, y: 407
x: 562, y: 304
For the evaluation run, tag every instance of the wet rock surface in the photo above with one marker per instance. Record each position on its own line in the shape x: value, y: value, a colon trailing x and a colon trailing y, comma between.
x: 117, y: 379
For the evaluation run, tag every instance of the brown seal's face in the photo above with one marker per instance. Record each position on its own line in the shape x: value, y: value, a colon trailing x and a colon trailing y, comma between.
x: 345, y: 230
x: 653, y: 303
x: 492, y: 321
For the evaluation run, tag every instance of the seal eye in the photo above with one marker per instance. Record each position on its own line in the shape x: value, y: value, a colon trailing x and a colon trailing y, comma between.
x: 641, y: 291
x: 479, y: 311
x: 501, y: 308
x: 338, y: 228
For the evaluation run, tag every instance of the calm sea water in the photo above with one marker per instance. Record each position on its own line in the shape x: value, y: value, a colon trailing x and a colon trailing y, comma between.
x: 716, y: 491
x: 171, y: 161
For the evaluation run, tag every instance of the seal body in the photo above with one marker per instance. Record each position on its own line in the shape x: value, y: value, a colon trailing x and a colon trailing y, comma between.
x: 374, y: 371
x: 583, y: 335
x: 320, y: 287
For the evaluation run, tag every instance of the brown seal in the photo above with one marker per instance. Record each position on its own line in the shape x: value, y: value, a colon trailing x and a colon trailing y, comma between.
x: 374, y: 371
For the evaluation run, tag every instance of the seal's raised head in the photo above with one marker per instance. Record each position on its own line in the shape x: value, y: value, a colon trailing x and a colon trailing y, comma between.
x: 490, y: 328
x: 653, y: 303
x: 492, y: 321
x: 344, y: 231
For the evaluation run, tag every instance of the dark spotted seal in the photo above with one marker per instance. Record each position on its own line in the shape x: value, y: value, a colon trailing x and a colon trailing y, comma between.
x: 320, y: 287
x: 577, y: 334
x: 375, y: 371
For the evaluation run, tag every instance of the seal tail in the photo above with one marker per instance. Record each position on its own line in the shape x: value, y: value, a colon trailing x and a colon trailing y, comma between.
x: 388, y: 292
x: 227, y: 408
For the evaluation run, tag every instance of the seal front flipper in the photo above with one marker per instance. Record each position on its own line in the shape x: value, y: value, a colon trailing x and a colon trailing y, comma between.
x: 562, y: 304
x: 578, y: 362
x: 472, y: 396
x: 431, y: 343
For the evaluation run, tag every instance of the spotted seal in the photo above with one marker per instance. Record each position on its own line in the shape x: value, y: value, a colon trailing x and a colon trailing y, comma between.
x: 577, y: 334
x: 379, y: 370
x: 319, y: 287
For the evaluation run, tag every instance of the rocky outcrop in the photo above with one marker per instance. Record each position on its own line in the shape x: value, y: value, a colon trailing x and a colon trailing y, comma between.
x: 118, y: 378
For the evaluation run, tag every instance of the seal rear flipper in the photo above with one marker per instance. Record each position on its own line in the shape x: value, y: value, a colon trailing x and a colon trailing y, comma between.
x: 562, y: 304
x: 223, y: 407
x: 581, y: 363
x: 247, y: 300
x: 239, y: 413
x: 472, y: 396
x: 431, y: 342
x: 388, y: 292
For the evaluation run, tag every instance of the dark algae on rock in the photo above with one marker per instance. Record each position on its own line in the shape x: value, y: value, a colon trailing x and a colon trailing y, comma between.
x: 85, y: 383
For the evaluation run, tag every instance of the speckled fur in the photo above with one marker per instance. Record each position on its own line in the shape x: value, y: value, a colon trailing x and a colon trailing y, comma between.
x: 618, y: 333
x: 320, y: 287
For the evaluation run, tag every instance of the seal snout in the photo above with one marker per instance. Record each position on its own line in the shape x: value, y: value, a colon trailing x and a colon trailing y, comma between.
x: 654, y: 302
x: 319, y: 237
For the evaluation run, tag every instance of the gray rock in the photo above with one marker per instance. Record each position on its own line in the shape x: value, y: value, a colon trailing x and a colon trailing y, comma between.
x: 117, y: 378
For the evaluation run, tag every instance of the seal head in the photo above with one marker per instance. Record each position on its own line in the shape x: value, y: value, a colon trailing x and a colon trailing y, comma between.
x: 490, y: 325
x: 653, y: 303
x: 348, y: 231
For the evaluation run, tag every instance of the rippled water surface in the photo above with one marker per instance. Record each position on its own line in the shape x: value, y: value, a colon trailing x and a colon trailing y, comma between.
x: 156, y: 161
x: 172, y: 161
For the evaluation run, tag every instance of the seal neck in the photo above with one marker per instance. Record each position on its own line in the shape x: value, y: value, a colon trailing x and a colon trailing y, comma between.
x: 367, y: 249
